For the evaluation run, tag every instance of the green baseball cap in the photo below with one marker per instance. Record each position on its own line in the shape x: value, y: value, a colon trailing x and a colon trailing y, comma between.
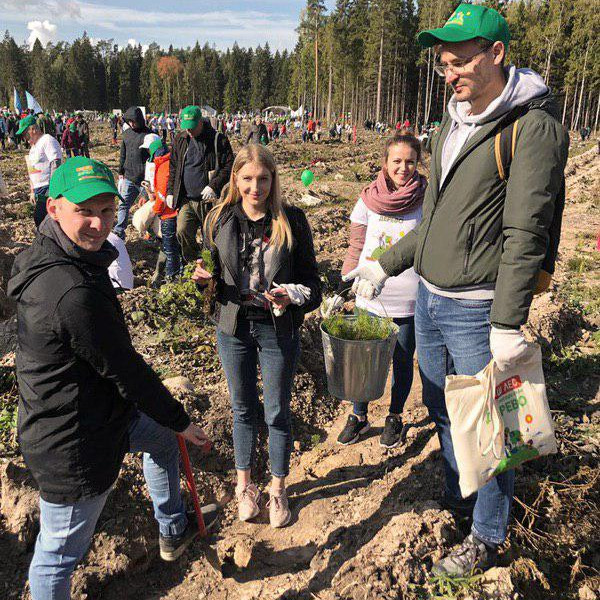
x: 25, y: 123
x: 190, y: 117
x: 468, y: 21
x: 79, y: 178
x: 154, y: 146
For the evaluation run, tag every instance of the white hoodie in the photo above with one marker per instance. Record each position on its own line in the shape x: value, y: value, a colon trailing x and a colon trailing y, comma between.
x: 522, y: 86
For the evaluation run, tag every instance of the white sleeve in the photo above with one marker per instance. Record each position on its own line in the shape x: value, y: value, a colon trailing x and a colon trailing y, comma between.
x: 52, y: 149
x: 360, y: 214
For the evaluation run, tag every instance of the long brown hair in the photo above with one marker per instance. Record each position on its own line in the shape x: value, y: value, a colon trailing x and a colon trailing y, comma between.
x: 281, y: 231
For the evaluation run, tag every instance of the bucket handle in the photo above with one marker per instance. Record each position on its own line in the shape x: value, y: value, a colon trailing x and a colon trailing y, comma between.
x: 343, y: 291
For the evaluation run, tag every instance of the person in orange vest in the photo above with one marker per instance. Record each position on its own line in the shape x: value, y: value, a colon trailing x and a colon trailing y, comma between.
x: 169, y: 258
x: 311, y: 127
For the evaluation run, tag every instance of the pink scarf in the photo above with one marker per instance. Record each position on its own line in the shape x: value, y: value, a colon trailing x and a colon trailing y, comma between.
x: 378, y: 197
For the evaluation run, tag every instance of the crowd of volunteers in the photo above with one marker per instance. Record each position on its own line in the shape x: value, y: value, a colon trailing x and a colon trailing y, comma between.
x: 454, y: 261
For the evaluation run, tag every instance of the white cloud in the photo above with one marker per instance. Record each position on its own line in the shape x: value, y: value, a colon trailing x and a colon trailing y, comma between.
x: 41, y: 30
x: 37, y: 8
x: 247, y: 27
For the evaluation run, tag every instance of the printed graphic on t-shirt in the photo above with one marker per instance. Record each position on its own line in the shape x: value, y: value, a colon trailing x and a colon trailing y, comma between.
x: 384, y: 243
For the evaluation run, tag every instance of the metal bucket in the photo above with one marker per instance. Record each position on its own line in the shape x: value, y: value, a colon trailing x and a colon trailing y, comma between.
x: 357, y: 370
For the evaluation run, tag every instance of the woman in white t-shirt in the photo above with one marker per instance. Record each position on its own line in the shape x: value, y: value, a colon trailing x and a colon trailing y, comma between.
x: 385, y: 212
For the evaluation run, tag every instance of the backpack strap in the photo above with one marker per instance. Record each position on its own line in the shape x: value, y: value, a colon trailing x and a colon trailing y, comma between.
x: 504, y: 148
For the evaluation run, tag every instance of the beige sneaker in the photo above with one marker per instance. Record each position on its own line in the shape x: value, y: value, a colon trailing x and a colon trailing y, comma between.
x: 248, y: 502
x: 279, y: 513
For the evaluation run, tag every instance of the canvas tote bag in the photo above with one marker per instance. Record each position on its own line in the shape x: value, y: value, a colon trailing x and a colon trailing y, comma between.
x: 499, y: 419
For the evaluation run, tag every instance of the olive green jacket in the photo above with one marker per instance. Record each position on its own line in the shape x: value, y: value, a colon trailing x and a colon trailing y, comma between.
x: 454, y: 245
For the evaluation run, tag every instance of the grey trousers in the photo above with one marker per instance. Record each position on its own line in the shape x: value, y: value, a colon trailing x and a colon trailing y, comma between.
x: 190, y: 219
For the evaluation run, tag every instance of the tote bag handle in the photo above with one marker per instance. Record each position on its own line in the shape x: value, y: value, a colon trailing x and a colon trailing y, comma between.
x: 490, y: 407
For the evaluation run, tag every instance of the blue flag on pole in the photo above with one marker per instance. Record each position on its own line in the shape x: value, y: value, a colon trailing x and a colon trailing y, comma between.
x: 17, y: 102
x: 33, y: 103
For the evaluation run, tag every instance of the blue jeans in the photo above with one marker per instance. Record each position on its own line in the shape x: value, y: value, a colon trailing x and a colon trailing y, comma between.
x: 66, y: 530
x: 170, y: 246
x: 402, y: 368
x: 278, y: 357
x: 453, y: 337
x: 130, y: 193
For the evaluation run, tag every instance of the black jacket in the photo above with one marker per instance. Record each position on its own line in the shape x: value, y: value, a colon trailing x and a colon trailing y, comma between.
x: 80, y: 379
x: 297, y: 265
x: 207, y: 139
x: 132, y: 160
x: 257, y: 133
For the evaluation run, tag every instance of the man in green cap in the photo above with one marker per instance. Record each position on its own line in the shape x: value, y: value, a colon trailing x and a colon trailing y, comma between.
x: 45, y: 156
x: 487, y: 241
x: 86, y: 396
x: 201, y: 162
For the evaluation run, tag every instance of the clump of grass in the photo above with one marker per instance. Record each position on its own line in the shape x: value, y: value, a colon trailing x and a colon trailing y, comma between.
x: 582, y: 264
x: 363, y: 327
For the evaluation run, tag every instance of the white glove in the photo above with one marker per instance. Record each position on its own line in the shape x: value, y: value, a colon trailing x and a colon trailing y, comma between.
x: 208, y: 193
x: 330, y: 305
x: 297, y: 292
x: 508, y: 347
x: 371, y: 280
x: 169, y: 201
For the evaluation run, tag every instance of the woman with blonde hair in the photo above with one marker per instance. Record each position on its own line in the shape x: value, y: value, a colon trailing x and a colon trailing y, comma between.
x: 266, y: 279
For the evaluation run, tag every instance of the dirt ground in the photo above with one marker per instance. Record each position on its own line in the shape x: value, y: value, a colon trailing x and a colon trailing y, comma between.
x: 367, y: 523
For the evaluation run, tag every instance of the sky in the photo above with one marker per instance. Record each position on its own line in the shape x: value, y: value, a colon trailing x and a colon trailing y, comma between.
x: 178, y: 22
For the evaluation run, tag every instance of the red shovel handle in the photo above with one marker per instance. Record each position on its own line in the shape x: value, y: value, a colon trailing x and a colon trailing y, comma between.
x: 189, y: 476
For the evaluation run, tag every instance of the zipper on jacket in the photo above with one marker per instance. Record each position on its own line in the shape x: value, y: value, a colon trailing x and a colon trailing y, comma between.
x: 470, y: 236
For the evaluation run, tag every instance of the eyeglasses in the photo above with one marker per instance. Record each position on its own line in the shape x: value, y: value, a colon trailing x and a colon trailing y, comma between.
x: 460, y: 66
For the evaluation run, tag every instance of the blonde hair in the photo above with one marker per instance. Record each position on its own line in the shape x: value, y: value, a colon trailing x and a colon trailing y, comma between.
x: 281, y: 231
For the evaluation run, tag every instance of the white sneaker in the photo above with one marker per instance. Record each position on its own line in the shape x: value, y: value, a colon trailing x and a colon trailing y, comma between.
x: 279, y: 513
x: 248, y: 502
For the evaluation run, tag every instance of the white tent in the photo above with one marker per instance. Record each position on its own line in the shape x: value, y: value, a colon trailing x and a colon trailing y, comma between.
x: 297, y: 113
x: 281, y: 110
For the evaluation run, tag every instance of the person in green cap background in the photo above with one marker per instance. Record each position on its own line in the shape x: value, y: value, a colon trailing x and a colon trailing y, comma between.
x: 71, y: 142
x: 486, y: 242
x: 200, y: 166
x: 86, y: 396
x: 45, y: 156
x: 169, y: 257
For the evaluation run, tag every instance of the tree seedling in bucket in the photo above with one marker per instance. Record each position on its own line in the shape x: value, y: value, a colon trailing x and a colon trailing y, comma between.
x: 363, y: 327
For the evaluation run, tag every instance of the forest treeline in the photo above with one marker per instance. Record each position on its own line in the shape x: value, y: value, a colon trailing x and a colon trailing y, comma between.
x: 361, y: 58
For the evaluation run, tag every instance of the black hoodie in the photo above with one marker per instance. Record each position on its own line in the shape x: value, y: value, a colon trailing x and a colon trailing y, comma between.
x: 80, y: 379
x: 132, y: 161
